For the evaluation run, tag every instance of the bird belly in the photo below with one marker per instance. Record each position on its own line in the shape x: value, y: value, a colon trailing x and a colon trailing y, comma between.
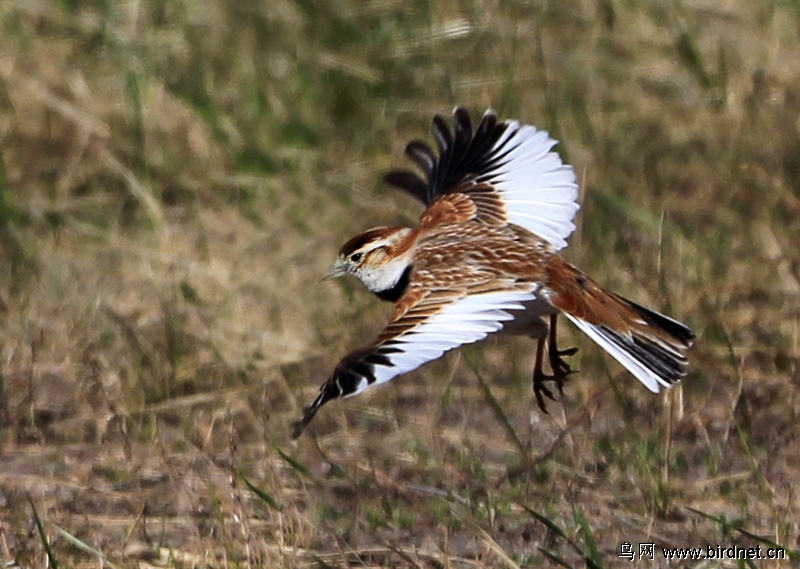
x: 529, y: 322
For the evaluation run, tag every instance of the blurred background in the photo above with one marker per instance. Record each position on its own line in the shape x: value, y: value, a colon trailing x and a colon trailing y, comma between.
x: 176, y: 177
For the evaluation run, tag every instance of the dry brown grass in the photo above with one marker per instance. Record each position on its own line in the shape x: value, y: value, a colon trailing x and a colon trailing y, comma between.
x: 175, y: 179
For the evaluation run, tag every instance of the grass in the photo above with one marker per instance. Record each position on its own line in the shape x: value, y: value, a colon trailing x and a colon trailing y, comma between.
x: 176, y: 177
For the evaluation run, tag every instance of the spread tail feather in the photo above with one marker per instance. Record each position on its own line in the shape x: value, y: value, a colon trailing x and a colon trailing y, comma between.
x: 651, y: 360
x: 649, y: 345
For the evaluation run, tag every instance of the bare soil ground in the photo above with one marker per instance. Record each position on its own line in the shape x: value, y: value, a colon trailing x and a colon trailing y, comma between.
x: 176, y: 177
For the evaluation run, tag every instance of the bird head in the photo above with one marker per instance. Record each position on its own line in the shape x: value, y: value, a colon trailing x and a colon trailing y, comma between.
x: 378, y: 257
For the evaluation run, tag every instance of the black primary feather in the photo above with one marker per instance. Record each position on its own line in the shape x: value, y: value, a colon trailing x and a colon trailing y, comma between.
x: 444, y: 141
x: 463, y: 155
x: 423, y: 156
x: 346, y: 377
x: 408, y: 181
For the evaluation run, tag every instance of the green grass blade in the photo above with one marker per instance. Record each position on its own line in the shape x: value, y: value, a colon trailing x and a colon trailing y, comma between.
x: 555, y: 558
x: 299, y: 468
x: 500, y: 415
x: 269, y: 500
x: 556, y: 530
x: 549, y: 524
x: 691, y: 56
x: 85, y: 547
x: 592, y: 557
x: 50, y: 555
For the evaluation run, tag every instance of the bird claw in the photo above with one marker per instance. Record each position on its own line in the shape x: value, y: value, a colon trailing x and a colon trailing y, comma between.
x: 568, y: 352
x: 560, y: 376
x: 540, y: 389
x: 558, y: 364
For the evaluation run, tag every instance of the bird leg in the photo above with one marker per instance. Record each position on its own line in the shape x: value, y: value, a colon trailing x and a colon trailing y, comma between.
x: 560, y: 368
x: 554, y: 354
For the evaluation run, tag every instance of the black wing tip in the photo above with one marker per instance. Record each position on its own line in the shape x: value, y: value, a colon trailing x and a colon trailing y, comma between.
x: 463, y: 151
x: 423, y: 156
x: 408, y: 182
x: 461, y: 114
x: 345, y: 379
x: 327, y: 391
x: 439, y: 123
x: 489, y: 115
x: 309, y: 412
x: 299, y: 426
x: 462, y: 120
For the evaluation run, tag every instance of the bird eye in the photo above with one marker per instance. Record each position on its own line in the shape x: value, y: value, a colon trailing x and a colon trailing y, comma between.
x: 356, y: 257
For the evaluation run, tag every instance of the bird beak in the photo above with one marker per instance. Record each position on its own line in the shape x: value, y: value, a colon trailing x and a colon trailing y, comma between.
x: 336, y: 270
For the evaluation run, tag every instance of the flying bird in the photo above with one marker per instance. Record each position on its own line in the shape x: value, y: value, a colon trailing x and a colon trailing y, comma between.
x: 484, y: 258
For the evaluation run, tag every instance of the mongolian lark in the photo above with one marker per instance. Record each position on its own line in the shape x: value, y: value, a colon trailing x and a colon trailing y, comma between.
x: 485, y: 258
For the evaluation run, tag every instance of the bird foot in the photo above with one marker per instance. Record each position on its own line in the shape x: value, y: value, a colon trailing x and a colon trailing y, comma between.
x: 560, y: 375
x: 557, y: 364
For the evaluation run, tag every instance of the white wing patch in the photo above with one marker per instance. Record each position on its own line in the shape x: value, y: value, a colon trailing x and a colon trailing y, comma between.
x: 461, y: 322
x: 537, y: 188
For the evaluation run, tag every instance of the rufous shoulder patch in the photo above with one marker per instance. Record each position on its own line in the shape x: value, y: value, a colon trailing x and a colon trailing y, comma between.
x: 451, y: 208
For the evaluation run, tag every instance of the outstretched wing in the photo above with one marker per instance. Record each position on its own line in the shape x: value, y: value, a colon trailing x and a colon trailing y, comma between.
x: 425, y: 325
x: 508, y: 169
